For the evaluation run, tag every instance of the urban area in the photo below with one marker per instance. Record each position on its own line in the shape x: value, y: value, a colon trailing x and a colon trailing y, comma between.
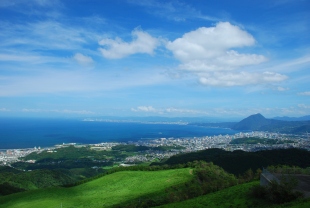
x: 257, y: 141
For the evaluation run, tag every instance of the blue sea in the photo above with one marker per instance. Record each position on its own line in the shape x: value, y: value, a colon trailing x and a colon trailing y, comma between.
x: 28, y: 133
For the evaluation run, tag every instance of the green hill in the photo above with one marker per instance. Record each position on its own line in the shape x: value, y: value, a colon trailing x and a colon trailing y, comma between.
x: 150, y: 188
x: 32, y: 180
x: 237, y: 162
x: 103, y: 192
x: 236, y: 196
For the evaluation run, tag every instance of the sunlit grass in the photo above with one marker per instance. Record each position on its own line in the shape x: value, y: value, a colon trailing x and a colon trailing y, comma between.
x: 236, y: 196
x: 103, y: 192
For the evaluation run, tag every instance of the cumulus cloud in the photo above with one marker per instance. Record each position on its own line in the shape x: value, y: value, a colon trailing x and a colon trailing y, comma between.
x: 83, y: 60
x: 210, y: 53
x: 304, y: 93
x: 117, y: 48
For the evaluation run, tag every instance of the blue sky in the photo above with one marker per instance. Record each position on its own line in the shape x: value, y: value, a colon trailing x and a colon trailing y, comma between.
x: 89, y: 58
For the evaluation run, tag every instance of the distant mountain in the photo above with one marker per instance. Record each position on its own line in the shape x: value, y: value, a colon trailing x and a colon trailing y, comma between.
x: 258, y: 122
x: 286, y: 118
x: 253, y: 122
x: 303, y: 128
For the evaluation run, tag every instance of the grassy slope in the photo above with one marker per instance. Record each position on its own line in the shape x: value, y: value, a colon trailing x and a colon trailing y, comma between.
x: 102, y: 192
x: 236, y: 196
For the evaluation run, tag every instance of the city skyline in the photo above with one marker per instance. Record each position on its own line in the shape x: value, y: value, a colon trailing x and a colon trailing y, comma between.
x: 154, y: 58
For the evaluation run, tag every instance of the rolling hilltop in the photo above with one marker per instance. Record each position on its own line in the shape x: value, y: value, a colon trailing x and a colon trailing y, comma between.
x: 180, y: 178
x: 212, y: 177
x: 106, y: 191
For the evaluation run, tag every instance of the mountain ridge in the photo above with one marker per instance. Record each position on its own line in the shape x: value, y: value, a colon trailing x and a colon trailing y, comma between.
x: 287, y: 118
x: 258, y: 122
x: 253, y: 122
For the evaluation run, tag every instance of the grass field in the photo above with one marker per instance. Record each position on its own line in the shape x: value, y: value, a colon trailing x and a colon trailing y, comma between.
x: 236, y: 196
x: 103, y: 192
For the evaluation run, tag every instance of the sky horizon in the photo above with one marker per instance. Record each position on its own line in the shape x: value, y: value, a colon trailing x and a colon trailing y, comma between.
x: 91, y: 58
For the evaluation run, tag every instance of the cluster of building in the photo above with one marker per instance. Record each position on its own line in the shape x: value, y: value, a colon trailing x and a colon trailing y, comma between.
x: 182, y: 145
x: 219, y: 141
x: 12, y: 155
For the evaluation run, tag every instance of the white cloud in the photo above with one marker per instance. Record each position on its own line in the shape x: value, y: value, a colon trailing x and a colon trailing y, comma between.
x: 27, y: 110
x: 170, y: 110
x: 242, y: 112
x: 291, y: 65
x: 184, y: 111
x: 209, y: 43
x: 142, y: 43
x: 303, y: 106
x: 239, y: 78
x: 144, y: 109
x: 210, y: 53
x: 282, y: 89
x: 45, y: 35
x: 50, y: 81
x: 74, y: 111
x: 83, y: 60
x: 304, y: 93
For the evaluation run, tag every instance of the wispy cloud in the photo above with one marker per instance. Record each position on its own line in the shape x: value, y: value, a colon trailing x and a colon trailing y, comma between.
x: 45, y: 36
x: 304, y: 93
x: 170, y: 110
x: 48, y: 43
x: 41, y: 3
x: 229, y: 79
x: 38, y: 8
x: 172, y: 10
x: 300, y: 109
x: 144, y: 109
x: 4, y: 110
x: 65, y: 111
x: 290, y: 65
x: 281, y: 89
x: 74, y: 81
x: 142, y: 43
x: 83, y: 60
x: 303, y: 106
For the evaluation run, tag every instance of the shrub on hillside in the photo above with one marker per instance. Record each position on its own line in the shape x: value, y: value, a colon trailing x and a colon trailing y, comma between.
x: 278, y: 192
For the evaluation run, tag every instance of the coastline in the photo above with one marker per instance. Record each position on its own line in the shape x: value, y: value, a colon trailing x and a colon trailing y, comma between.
x: 26, y: 133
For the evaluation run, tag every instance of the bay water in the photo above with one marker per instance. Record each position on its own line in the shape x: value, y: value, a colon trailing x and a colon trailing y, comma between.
x: 18, y: 133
